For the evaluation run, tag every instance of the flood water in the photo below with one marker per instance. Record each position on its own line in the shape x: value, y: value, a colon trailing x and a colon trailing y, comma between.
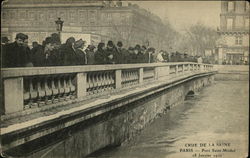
x: 212, y: 124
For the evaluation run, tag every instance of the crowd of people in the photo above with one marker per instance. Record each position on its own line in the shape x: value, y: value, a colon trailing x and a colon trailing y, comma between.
x: 75, y: 52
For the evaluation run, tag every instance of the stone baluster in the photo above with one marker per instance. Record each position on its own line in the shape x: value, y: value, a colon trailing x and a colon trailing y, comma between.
x: 131, y: 77
x: 41, y: 92
x: 95, y: 83
x: 109, y: 81
x: 125, y: 78
x: 134, y: 77
x: 48, y: 91
x: 90, y: 83
x: 105, y: 81
x: 176, y: 70
x: 55, y: 90
x: 71, y: 87
x: 128, y: 78
x: 99, y: 82
x: 61, y: 88
x: 66, y: 87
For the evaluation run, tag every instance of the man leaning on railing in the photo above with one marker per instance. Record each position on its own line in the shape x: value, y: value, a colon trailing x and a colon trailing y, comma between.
x: 15, y: 54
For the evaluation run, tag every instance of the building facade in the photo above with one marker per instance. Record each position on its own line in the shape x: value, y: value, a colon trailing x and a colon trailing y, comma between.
x: 234, y: 33
x: 107, y: 19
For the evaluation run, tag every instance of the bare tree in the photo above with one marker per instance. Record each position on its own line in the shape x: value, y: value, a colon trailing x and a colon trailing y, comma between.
x: 198, y: 38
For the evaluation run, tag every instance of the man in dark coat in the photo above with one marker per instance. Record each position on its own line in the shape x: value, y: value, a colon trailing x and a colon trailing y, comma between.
x: 165, y: 56
x: 42, y: 56
x: 90, y: 53
x: 148, y: 57
x: 14, y: 54
x: 27, y: 51
x: 81, y: 56
x: 4, y: 40
x: 100, y: 57
x: 110, y: 53
x: 67, y: 52
x: 130, y: 55
x: 121, y: 54
x: 143, y: 51
x: 140, y: 55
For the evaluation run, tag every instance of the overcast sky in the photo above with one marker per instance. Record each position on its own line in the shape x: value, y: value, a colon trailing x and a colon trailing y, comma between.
x: 182, y: 14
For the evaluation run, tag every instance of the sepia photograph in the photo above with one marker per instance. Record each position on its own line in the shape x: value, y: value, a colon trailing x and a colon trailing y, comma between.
x: 124, y: 79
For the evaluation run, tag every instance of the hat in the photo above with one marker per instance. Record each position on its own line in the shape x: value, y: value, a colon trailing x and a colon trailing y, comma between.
x: 144, y: 47
x: 91, y: 47
x: 70, y: 41
x: 79, y: 43
x: 119, y: 44
x: 47, y: 40
x: 4, y: 39
x: 110, y: 43
x: 55, y: 37
x: 21, y: 36
x: 151, y: 49
x: 130, y: 48
x: 26, y: 36
x: 101, y: 45
x: 137, y: 47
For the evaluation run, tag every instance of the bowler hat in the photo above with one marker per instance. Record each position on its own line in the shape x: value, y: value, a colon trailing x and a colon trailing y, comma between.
x: 91, y: 47
x: 4, y: 39
x: 137, y: 47
x: 48, y: 40
x: 131, y: 48
x: 110, y: 43
x: 79, y: 43
x: 119, y: 44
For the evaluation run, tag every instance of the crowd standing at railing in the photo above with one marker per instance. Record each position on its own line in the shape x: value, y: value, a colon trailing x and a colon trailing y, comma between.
x: 73, y: 52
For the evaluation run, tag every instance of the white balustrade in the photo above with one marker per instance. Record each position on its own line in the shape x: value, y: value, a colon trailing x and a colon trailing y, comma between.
x: 26, y: 88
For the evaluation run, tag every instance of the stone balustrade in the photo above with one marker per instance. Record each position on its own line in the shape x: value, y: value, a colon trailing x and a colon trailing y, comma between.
x: 27, y: 88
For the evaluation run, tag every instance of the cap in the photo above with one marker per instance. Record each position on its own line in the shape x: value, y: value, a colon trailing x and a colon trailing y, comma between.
x: 79, y: 43
x: 21, y: 36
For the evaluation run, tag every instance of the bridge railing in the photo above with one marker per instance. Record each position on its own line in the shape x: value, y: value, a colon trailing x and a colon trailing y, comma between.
x: 39, y: 87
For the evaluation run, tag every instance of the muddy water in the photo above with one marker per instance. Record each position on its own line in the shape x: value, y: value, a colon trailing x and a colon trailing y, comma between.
x: 212, y: 124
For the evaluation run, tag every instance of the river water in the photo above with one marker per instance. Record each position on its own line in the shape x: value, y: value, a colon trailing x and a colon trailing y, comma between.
x: 212, y: 124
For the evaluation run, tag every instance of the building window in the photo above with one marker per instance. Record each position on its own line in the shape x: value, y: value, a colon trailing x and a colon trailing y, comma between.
x: 238, y: 40
x: 82, y: 15
x: 247, y: 23
x: 52, y: 15
x: 31, y: 15
x: 230, y: 24
x: 13, y: 15
x: 4, y: 15
x: 247, y: 5
x: 230, y: 6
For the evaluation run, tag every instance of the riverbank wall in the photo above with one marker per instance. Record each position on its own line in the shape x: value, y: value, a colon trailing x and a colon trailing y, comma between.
x: 232, y: 72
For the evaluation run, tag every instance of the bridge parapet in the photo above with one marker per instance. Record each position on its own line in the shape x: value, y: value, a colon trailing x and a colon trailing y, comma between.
x: 48, y: 103
x: 38, y: 88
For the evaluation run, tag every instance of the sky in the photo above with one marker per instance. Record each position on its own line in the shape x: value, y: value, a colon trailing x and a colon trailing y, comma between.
x: 183, y: 14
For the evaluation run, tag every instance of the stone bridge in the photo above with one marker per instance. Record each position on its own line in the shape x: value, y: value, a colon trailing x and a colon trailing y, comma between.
x: 74, y: 111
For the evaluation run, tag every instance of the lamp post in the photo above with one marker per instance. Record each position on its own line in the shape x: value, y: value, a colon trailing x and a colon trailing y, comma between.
x: 59, y: 25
